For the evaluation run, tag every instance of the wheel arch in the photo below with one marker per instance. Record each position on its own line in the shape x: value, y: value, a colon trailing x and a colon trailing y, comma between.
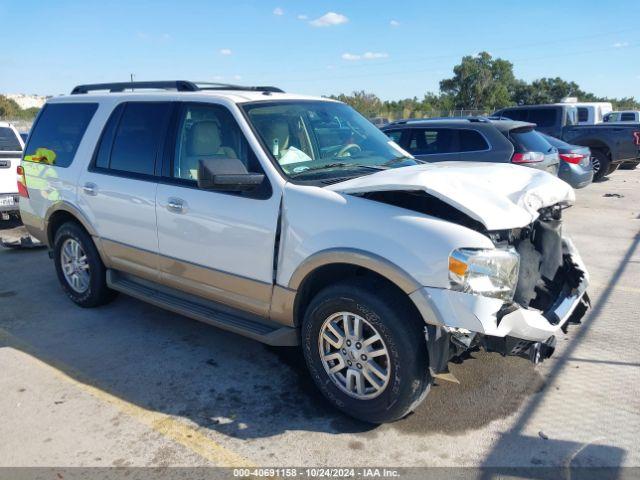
x: 330, y: 266
x: 63, y: 212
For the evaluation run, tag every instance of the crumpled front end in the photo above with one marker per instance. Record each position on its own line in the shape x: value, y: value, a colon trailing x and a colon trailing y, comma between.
x: 549, y: 296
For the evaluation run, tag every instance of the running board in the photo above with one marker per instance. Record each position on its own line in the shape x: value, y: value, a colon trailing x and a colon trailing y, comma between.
x: 202, y: 310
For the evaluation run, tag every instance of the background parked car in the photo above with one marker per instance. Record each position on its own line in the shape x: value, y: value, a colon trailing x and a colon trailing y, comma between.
x: 11, y: 146
x: 623, y: 116
x: 610, y: 144
x: 575, y: 162
x: 379, y: 121
x: 474, y: 139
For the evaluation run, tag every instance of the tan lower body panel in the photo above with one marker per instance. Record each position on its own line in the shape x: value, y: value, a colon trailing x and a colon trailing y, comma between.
x: 237, y: 292
x: 231, y: 290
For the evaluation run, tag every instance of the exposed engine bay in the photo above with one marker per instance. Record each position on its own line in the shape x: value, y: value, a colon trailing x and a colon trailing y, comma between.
x: 548, y: 278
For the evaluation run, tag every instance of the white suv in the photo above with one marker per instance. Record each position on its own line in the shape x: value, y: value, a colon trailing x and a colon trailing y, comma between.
x: 294, y: 221
x: 11, y: 146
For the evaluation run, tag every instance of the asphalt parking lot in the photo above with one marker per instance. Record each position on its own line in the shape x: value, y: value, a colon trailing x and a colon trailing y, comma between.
x: 132, y: 385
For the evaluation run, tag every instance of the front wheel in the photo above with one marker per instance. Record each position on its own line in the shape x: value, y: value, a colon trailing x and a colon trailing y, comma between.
x: 366, y: 352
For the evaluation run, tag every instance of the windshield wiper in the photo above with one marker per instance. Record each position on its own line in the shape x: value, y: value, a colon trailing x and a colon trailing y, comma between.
x: 339, y: 165
x: 393, y: 161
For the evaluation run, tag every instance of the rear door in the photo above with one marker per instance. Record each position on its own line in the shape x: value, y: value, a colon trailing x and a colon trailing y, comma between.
x: 433, y: 144
x: 118, y: 191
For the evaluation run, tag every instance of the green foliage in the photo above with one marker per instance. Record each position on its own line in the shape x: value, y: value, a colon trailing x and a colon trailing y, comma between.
x: 480, y: 84
x: 10, y: 110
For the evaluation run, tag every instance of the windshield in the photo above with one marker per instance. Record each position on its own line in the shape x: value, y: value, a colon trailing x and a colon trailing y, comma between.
x: 313, y: 140
x: 9, y: 141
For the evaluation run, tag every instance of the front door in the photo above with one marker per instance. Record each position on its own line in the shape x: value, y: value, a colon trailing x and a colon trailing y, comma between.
x: 217, y: 245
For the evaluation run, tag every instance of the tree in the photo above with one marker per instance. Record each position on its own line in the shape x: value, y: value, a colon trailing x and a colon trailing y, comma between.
x: 8, y: 108
x: 480, y: 82
x: 546, y: 90
x: 367, y: 104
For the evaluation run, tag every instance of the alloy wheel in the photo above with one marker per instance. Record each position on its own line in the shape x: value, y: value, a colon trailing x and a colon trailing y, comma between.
x: 75, y: 265
x: 354, y: 355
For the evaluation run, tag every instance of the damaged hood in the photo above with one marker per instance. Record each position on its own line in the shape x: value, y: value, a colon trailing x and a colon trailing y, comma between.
x: 500, y: 196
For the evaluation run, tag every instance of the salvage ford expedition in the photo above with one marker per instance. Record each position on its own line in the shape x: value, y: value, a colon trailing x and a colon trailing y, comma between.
x: 292, y: 220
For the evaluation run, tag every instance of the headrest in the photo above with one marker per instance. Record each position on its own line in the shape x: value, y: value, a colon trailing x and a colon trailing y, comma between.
x: 204, y: 138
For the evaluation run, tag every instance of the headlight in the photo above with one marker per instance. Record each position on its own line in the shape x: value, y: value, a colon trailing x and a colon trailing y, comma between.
x: 492, y: 273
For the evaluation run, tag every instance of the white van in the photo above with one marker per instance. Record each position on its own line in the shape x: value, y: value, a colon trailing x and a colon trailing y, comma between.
x: 590, y: 113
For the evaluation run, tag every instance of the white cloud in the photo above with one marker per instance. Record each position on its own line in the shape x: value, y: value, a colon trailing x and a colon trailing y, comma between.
x: 225, y: 51
x: 394, y: 23
x: 374, y: 55
x: 278, y: 11
x: 329, y: 19
x: 218, y: 78
x: 620, y: 44
x: 153, y: 38
x: 302, y: 16
x: 352, y: 57
x: 237, y: 77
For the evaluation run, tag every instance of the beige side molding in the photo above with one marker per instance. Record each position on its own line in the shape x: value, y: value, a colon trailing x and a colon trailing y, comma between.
x: 356, y: 257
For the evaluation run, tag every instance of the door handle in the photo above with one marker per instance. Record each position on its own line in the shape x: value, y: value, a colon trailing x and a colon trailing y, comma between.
x: 90, y: 189
x: 175, y: 205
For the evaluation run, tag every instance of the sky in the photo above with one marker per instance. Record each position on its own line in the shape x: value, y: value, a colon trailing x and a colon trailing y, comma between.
x: 393, y: 49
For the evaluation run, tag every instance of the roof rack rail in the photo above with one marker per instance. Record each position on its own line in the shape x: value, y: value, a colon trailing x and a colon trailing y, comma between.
x: 178, y: 85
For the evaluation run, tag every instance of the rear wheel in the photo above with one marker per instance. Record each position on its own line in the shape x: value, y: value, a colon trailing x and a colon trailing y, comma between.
x: 366, y: 352
x: 79, y: 267
x: 601, y: 162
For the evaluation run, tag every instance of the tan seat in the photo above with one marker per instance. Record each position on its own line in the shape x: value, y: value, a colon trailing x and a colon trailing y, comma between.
x: 276, y: 130
x: 203, y: 141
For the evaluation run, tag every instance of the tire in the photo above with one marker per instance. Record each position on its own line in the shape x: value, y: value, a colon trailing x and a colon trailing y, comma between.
x: 402, y: 335
x: 601, y: 162
x: 96, y: 292
x: 629, y: 165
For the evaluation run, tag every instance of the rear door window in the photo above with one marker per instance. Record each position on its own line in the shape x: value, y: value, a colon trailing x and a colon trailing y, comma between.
x: 530, y: 141
x: 543, y: 117
x: 471, y: 141
x: 58, y: 132
x: 140, y: 132
x: 9, y: 140
x: 431, y: 141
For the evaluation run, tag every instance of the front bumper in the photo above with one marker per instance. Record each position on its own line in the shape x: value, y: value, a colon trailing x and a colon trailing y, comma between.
x: 490, y: 317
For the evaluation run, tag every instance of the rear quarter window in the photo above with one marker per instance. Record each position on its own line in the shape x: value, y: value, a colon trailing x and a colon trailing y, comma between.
x: 471, y: 141
x: 627, y: 117
x: 58, y: 132
x: 529, y: 141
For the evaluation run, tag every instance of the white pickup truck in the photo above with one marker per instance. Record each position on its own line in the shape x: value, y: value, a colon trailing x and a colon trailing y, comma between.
x: 11, y: 146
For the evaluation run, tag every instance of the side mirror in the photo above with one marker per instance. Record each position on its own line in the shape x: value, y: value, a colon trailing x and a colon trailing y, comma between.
x: 228, y: 174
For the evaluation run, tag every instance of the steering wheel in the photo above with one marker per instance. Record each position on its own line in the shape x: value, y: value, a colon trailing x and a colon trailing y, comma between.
x: 346, y: 148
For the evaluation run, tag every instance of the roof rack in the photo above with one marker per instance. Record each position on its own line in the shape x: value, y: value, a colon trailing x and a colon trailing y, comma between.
x: 178, y: 85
